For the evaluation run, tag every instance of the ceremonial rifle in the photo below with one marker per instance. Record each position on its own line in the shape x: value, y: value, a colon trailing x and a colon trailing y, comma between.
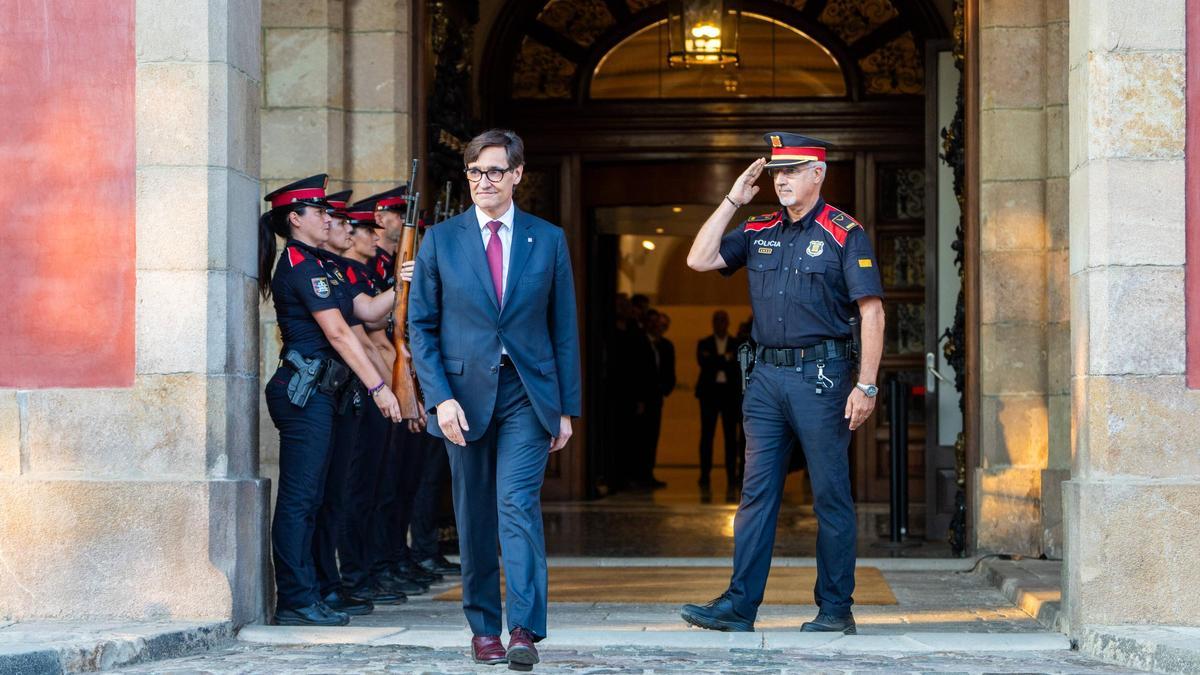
x: 404, y: 378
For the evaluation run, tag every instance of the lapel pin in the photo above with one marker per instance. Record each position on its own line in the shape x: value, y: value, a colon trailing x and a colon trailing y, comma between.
x: 530, y: 240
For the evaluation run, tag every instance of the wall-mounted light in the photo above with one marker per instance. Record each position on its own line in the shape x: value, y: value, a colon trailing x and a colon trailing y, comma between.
x: 703, y: 32
x: 648, y: 245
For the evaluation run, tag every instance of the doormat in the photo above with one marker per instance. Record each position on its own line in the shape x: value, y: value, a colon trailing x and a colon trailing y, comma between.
x: 679, y: 585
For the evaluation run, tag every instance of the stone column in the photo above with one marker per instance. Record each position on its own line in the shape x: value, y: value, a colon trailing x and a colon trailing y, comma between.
x: 1132, y: 506
x: 1013, y: 283
x: 143, y: 502
x: 1058, y: 290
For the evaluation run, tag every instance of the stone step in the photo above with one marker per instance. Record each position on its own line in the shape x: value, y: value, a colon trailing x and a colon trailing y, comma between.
x: 53, y: 646
x: 915, y: 642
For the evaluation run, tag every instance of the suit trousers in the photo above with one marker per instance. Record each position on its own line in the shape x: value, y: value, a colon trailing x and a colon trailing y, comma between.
x: 424, y: 522
x: 781, y: 405
x: 725, y: 402
x: 363, y: 486
x: 336, y: 529
x: 497, y: 482
x: 305, y: 436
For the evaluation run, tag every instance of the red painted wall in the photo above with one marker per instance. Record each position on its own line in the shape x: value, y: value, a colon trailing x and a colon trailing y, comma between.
x: 67, y: 193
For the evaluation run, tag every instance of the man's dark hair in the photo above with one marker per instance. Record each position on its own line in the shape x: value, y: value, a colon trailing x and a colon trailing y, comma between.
x: 513, y: 146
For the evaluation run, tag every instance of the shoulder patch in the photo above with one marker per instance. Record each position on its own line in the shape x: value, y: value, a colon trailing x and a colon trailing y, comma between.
x: 763, y: 222
x: 294, y: 256
x: 836, y: 223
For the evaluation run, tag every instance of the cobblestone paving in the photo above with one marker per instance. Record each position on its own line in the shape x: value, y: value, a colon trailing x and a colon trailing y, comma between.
x: 245, y: 659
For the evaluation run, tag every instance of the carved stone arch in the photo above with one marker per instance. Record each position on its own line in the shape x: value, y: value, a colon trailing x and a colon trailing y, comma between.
x: 875, y: 33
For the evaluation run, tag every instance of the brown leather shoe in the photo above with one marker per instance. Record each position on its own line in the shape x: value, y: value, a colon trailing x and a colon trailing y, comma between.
x: 488, y: 649
x: 520, y: 648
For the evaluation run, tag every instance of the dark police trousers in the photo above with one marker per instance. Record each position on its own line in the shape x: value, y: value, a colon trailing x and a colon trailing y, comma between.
x: 497, y: 484
x: 780, y: 405
x: 339, y: 534
x: 424, y: 521
x: 305, y: 436
x: 362, y: 487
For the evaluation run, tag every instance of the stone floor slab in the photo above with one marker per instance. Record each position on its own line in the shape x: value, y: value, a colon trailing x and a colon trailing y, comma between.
x: 1162, y: 649
x: 73, y: 647
x: 243, y: 658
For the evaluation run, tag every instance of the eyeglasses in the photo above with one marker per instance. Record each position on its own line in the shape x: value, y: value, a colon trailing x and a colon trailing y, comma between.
x: 493, y: 175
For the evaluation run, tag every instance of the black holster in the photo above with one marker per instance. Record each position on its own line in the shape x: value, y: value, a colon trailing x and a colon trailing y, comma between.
x: 855, y: 341
x: 745, y: 357
x: 325, y: 375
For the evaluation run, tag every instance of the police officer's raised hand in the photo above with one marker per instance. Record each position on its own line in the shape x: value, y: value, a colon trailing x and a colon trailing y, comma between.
x: 452, y: 421
x: 858, y: 408
x: 744, y: 188
x: 388, y: 405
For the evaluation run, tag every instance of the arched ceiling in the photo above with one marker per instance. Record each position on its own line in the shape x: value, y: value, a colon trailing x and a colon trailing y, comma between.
x: 553, y: 46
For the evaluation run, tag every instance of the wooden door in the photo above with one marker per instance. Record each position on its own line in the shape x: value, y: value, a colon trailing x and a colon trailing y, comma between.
x: 891, y: 207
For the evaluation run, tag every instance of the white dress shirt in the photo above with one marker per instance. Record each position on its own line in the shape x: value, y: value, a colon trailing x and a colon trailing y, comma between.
x: 506, y: 236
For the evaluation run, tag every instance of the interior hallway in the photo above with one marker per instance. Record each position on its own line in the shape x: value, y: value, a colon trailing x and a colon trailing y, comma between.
x: 682, y: 521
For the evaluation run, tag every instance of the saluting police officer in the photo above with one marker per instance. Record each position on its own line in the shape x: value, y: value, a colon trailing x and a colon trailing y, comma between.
x: 812, y: 272
x: 319, y: 353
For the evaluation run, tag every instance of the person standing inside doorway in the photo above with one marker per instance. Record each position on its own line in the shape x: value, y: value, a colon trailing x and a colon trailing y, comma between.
x: 495, y: 342
x: 811, y: 272
x: 719, y: 389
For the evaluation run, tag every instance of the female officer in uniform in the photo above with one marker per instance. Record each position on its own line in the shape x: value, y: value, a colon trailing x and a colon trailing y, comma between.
x: 319, y: 353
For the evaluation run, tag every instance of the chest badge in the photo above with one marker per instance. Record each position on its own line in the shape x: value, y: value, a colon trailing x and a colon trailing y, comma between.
x: 320, y: 286
x: 815, y: 248
x: 766, y: 251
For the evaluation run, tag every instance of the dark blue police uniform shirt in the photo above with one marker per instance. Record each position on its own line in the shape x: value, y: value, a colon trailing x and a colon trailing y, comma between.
x: 301, y: 286
x: 362, y: 280
x: 335, y: 267
x: 805, y: 276
x: 383, y: 265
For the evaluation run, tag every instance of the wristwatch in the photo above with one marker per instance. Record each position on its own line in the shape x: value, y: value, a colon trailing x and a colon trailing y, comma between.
x: 869, y: 389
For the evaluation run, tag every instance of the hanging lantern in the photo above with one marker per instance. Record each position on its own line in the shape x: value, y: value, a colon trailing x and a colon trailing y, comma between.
x: 703, y: 32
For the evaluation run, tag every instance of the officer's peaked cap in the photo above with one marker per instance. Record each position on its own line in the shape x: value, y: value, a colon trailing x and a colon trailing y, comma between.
x: 788, y: 149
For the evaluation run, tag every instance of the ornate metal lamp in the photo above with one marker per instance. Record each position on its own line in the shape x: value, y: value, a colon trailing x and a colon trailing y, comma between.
x: 703, y: 32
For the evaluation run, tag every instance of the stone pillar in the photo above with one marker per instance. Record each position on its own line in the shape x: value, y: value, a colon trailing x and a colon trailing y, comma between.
x: 1058, y: 289
x: 144, y: 502
x: 1014, y: 260
x: 1132, y: 506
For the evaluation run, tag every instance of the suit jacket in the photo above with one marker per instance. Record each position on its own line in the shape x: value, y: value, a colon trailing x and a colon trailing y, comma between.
x: 666, y: 365
x: 711, y: 363
x: 456, y: 327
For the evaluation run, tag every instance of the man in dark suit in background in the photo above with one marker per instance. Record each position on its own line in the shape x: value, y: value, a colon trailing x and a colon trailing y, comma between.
x: 495, y: 343
x: 664, y: 383
x: 719, y: 389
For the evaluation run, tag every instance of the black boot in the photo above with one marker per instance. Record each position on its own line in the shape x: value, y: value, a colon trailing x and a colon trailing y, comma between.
x: 439, y: 565
x: 316, y: 614
x: 824, y: 623
x: 394, y: 584
x: 717, y: 614
x: 340, y: 602
x: 374, y: 594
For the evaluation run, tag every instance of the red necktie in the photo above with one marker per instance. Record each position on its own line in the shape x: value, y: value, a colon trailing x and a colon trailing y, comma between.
x: 495, y: 258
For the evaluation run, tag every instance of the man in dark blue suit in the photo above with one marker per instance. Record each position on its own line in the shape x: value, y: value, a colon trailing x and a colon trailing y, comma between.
x: 494, y: 340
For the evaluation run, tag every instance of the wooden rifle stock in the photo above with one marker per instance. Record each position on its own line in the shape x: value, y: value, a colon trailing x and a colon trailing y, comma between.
x: 404, y: 378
